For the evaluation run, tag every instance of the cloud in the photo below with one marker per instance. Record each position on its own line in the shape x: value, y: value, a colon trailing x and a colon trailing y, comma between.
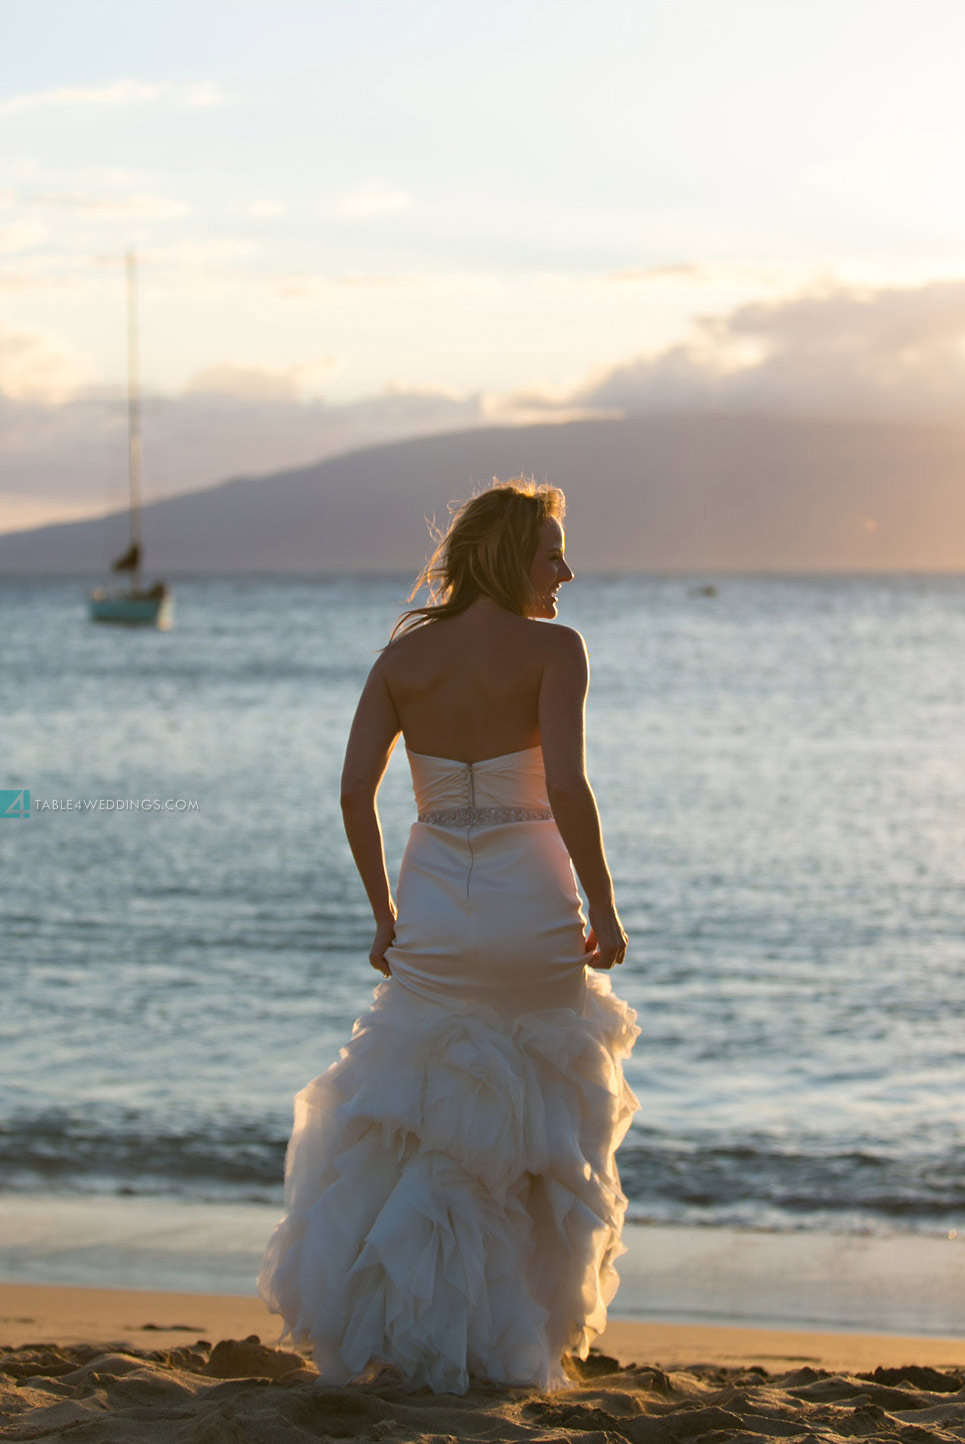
x: 38, y: 369
x: 60, y: 459
x: 266, y: 210
x: 839, y: 351
x: 242, y: 383
x: 196, y: 265
x: 118, y: 93
x: 371, y: 279
x: 675, y: 271
x: 300, y: 285
x: 886, y: 353
x: 524, y: 408
x: 202, y: 96
x: 37, y: 277
x: 22, y: 513
x: 374, y: 199
x: 263, y: 384
x: 211, y: 256
x: 121, y: 92
x: 138, y: 205
x: 21, y: 237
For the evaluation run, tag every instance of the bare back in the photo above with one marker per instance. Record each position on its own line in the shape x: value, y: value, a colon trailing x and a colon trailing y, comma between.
x: 468, y: 687
x: 475, y: 686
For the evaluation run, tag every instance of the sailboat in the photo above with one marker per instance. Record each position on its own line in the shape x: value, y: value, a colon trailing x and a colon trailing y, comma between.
x: 136, y: 604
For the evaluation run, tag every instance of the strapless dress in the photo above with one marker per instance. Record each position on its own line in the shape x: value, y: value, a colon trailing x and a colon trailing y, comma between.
x: 453, y: 1207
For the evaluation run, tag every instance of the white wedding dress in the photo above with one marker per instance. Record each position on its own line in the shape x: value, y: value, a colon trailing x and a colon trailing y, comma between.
x: 453, y: 1204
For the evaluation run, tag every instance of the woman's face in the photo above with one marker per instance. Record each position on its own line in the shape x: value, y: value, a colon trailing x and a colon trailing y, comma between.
x: 548, y: 571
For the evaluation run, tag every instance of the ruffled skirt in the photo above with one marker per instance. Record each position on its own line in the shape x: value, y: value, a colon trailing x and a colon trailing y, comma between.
x: 453, y: 1204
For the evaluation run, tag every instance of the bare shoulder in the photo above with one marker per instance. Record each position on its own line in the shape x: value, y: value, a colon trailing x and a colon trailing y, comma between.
x: 564, y: 645
x: 401, y: 651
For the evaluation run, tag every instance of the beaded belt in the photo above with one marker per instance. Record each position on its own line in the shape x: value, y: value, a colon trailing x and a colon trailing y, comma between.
x: 484, y: 816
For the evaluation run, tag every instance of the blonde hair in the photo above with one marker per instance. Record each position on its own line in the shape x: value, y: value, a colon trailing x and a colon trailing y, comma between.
x: 487, y: 550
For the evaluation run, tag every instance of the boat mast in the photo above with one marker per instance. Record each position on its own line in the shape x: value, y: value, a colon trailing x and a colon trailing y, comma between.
x: 133, y: 419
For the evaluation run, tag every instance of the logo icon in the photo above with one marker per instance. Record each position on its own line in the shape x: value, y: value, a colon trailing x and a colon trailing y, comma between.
x: 14, y: 802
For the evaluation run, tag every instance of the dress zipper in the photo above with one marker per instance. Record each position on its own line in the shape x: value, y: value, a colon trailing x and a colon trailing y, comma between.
x: 472, y: 806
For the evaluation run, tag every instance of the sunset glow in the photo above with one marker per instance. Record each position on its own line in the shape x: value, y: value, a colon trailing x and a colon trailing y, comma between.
x: 444, y: 214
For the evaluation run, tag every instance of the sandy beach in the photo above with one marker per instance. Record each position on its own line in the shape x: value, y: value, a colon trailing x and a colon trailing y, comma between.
x: 716, y: 1335
x: 110, y: 1365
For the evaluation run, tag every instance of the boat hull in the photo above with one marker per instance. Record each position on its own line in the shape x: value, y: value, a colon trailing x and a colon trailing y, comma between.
x: 131, y: 611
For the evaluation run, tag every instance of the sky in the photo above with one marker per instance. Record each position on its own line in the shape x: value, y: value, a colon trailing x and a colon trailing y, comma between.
x: 362, y: 219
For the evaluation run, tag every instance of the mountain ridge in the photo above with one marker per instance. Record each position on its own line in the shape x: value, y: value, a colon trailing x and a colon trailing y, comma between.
x: 661, y: 492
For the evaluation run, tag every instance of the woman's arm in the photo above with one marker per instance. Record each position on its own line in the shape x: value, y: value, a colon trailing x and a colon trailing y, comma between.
x: 562, y: 702
x: 374, y: 733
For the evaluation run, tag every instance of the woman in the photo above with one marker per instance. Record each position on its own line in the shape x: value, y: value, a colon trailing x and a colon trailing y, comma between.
x: 454, y: 1209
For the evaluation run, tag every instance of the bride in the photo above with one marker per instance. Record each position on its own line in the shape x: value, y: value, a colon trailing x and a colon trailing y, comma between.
x: 453, y: 1205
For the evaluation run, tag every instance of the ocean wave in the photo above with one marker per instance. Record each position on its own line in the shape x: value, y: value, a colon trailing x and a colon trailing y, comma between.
x: 760, y: 1183
x: 67, y: 1151
x: 754, y: 1183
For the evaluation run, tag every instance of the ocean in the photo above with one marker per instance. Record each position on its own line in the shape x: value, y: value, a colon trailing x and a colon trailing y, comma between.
x: 780, y: 767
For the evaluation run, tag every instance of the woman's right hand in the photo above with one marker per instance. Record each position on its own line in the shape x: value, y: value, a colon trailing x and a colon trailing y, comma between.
x: 606, y: 941
x: 384, y: 938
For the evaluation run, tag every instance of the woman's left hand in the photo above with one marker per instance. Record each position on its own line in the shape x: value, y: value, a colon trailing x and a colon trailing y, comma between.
x: 606, y: 942
x: 384, y: 938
